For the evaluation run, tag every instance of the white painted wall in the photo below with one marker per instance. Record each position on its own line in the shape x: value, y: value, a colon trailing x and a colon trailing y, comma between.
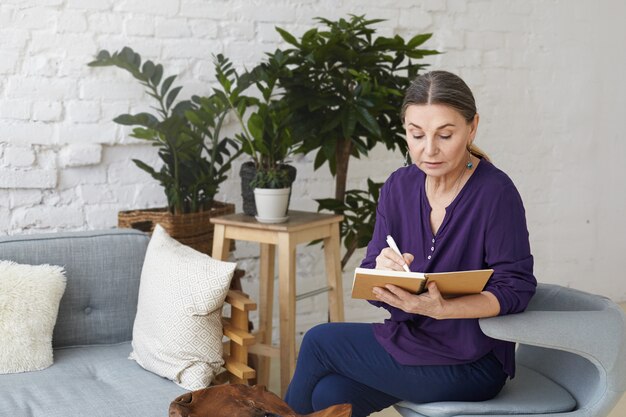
x: 547, y: 75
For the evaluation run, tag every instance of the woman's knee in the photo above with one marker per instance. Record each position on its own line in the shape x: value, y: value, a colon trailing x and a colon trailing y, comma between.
x: 316, y: 336
x: 328, y: 391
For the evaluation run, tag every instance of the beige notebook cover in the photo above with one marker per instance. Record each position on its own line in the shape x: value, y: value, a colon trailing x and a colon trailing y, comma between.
x: 450, y: 284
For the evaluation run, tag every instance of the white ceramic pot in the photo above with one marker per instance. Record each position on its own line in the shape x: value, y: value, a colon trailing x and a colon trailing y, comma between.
x: 271, y: 204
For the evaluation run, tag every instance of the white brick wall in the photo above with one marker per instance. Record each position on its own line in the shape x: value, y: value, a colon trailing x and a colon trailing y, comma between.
x: 548, y: 78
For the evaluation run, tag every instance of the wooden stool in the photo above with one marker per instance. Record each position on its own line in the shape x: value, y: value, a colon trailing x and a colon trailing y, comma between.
x: 302, y: 227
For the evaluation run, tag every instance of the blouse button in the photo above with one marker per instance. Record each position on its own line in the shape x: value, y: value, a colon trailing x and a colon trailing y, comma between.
x: 433, y: 240
x: 429, y: 256
x: 432, y: 248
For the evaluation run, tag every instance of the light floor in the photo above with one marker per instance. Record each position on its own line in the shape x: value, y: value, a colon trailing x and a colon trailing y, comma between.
x: 274, y: 386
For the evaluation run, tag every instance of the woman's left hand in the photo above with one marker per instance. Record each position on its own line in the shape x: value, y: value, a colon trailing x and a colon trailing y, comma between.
x: 430, y: 303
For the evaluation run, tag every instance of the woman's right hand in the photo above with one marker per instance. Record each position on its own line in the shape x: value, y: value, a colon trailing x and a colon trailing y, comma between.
x: 388, y: 260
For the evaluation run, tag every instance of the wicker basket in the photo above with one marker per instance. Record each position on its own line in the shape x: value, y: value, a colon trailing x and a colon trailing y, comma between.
x: 192, y: 229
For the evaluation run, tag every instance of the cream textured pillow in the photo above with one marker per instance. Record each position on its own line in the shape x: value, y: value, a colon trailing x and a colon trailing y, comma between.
x: 29, y: 304
x: 178, y: 330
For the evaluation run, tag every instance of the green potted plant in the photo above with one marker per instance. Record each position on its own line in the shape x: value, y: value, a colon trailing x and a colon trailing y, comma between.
x: 195, y: 157
x: 344, y: 87
x: 265, y: 136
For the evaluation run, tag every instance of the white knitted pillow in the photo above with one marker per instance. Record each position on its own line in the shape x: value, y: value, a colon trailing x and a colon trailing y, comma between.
x: 178, y: 330
x: 29, y: 304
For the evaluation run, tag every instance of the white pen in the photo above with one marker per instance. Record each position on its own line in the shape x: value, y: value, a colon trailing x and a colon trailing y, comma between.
x: 394, y: 247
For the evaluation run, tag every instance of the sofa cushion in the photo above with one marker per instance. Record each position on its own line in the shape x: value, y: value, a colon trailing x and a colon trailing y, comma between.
x: 178, y: 329
x: 29, y: 303
x: 94, y: 381
x: 528, y: 393
x: 102, y: 269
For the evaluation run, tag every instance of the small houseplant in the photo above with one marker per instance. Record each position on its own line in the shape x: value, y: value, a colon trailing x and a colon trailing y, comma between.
x: 195, y: 157
x: 344, y: 87
x: 266, y: 135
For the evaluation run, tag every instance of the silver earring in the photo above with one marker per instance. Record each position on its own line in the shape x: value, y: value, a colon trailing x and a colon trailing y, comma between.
x: 407, y: 159
x: 469, y: 164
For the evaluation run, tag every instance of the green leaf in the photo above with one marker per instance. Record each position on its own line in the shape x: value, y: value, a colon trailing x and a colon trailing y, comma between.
x: 348, y: 122
x: 194, y: 118
x: 145, y: 167
x: 137, y: 60
x: 241, y: 107
x: 167, y: 83
x: 148, y: 69
x: 256, y: 126
x: 289, y: 38
x: 171, y: 96
x: 181, y: 107
x: 143, y: 133
x: 126, y: 120
x: 359, y: 147
x: 127, y: 55
x: 367, y: 121
x: 332, y: 124
x: 142, y: 119
x: 158, y: 73
x: 421, y: 53
x: 331, y: 204
x: 309, y: 36
x: 329, y: 151
x: 320, y: 158
x: 417, y: 40
x: 103, y: 59
x: 103, y: 55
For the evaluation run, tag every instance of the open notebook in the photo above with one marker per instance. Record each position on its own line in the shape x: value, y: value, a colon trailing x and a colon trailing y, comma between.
x: 450, y: 284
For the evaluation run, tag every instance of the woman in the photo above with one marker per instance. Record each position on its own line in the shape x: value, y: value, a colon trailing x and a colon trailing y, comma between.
x: 450, y: 210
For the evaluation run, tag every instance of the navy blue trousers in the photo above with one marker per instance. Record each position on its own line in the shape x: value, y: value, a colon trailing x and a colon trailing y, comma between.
x: 344, y: 363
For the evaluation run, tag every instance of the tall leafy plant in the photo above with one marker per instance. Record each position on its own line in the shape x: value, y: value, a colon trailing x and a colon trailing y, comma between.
x: 186, y: 133
x: 345, y: 86
x: 265, y: 121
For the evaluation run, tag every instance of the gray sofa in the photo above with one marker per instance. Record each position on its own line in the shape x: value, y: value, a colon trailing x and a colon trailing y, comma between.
x: 92, y: 375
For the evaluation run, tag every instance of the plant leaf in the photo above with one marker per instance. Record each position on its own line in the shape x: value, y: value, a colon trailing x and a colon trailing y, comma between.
x: 256, y: 126
x: 158, y: 73
x: 171, y: 96
x: 167, y: 83
x: 367, y: 121
x: 148, y: 69
x: 348, y: 122
x: 288, y: 37
x: 417, y: 40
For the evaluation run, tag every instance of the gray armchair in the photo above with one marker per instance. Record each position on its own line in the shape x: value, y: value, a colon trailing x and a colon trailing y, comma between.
x: 571, y: 360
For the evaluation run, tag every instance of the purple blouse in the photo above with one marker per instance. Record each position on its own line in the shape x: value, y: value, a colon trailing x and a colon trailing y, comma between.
x: 484, y: 227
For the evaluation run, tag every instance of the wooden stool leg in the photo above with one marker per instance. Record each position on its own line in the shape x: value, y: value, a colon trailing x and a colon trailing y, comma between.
x: 333, y: 274
x: 287, y: 301
x: 266, y: 302
x: 221, y: 245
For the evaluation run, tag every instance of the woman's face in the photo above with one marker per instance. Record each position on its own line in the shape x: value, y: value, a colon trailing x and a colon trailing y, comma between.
x: 438, y: 137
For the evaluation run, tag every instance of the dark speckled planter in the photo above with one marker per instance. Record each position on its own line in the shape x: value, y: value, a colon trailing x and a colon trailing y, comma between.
x: 247, y: 173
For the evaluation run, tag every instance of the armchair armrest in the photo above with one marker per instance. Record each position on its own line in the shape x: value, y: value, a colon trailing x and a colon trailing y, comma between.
x: 587, y: 333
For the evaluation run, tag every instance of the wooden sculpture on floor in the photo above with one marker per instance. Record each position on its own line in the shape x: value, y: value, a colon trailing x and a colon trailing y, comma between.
x: 242, y: 401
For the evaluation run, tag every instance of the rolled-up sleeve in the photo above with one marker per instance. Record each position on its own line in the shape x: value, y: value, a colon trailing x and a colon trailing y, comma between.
x: 507, y: 252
